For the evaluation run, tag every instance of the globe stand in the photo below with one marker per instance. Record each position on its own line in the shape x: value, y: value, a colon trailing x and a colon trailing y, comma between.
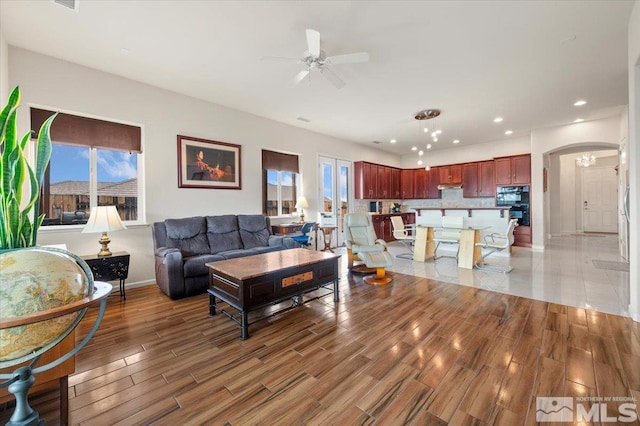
x: 20, y: 381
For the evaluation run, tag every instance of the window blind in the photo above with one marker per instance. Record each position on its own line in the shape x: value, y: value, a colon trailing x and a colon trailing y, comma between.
x: 272, y: 160
x: 91, y: 132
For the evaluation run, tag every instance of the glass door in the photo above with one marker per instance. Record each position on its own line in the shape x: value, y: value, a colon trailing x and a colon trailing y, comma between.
x: 335, y: 179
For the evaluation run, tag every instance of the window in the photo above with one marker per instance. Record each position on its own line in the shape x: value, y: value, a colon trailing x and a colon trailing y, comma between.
x: 280, y: 183
x: 93, y: 163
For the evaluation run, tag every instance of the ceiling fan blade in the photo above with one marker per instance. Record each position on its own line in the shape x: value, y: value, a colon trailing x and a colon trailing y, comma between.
x: 299, y: 77
x: 313, y: 42
x: 349, y: 58
x: 280, y: 59
x: 333, y: 78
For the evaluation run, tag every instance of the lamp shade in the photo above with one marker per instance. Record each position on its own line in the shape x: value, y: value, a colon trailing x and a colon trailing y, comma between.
x: 103, y: 219
x: 302, y: 203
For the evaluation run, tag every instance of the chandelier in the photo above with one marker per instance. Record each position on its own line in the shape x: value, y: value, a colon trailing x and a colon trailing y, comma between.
x: 585, y: 160
x: 421, y: 116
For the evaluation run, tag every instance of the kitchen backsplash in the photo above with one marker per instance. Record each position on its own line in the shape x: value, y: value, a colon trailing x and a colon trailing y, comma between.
x: 450, y: 198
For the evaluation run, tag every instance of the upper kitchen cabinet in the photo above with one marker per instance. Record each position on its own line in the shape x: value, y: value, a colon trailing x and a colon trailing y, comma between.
x: 375, y: 181
x: 470, y: 180
x: 406, y: 179
x: 450, y: 175
x: 366, y: 184
x: 478, y: 179
x: 514, y: 170
x: 396, y: 184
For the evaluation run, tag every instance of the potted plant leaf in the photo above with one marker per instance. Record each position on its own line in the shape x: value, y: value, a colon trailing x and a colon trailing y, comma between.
x: 20, y: 183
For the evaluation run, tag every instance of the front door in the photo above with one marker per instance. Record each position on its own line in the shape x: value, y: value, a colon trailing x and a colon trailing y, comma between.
x: 335, y: 190
x: 599, y: 200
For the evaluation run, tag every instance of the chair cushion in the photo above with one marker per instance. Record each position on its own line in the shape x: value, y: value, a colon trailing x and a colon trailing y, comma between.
x: 188, y: 235
x: 377, y: 259
x: 223, y: 233
x: 194, y: 266
x: 254, y: 231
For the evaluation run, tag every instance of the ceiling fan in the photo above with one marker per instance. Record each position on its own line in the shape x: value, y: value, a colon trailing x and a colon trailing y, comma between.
x: 316, y: 59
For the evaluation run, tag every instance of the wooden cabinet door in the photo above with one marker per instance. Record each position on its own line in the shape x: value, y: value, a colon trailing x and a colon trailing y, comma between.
x: 384, y: 182
x: 364, y: 182
x: 407, y: 184
x: 421, y: 183
x: 486, y: 179
x: 503, y: 171
x: 455, y: 173
x: 396, y: 186
x: 444, y: 175
x: 377, y: 225
x: 358, y: 180
x: 433, y: 182
x: 470, y: 180
x: 521, y: 170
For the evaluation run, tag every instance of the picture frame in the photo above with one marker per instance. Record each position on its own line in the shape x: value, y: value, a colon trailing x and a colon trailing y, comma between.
x: 204, y: 163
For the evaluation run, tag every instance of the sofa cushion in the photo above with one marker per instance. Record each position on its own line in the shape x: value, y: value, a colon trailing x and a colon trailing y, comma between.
x: 188, y: 235
x: 194, y: 266
x: 260, y: 250
x: 254, y: 230
x: 232, y: 254
x: 223, y: 233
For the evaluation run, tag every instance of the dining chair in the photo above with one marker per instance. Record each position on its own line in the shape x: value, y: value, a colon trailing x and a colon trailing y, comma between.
x: 405, y: 235
x: 494, y: 243
x: 449, y: 234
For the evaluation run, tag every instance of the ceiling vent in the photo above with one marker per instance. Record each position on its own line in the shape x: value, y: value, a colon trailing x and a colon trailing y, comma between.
x: 69, y: 4
x: 376, y: 142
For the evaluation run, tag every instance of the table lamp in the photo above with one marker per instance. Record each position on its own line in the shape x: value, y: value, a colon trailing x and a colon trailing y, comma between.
x: 301, y: 205
x: 104, y: 219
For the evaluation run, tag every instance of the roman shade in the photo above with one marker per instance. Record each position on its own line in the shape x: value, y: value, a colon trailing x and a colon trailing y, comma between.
x: 90, y: 132
x: 278, y: 161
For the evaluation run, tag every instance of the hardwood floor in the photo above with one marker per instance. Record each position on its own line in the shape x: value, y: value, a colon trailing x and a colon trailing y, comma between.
x: 415, y: 352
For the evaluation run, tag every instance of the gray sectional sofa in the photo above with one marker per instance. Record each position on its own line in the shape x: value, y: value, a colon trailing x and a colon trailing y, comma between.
x: 183, y: 246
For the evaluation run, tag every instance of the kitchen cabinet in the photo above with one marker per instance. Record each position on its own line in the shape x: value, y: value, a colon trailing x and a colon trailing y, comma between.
x: 396, y: 184
x: 420, y: 183
x: 384, y: 182
x: 478, y: 179
x: 514, y: 170
x: 450, y: 175
x: 486, y: 179
x: 406, y: 179
x: 432, y: 186
x: 522, y: 236
x: 375, y: 181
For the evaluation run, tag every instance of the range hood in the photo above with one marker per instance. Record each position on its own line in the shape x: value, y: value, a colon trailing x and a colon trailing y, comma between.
x: 450, y: 186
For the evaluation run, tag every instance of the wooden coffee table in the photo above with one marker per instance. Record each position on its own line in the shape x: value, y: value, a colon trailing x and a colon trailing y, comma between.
x: 254, y: 282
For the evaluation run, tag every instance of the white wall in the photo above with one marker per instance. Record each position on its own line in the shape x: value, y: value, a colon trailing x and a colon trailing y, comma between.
x: 469, y: 153
x: 634, y: 157
x: 163, y: 114
x: 4, y: 70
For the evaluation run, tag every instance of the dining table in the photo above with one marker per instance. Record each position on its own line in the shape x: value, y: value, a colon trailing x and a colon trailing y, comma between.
x: 469, y: 254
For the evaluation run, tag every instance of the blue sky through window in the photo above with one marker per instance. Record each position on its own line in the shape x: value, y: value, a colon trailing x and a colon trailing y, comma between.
x: 72, y: 163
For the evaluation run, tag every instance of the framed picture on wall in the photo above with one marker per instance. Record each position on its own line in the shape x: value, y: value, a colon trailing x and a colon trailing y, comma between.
x: 204, y: 163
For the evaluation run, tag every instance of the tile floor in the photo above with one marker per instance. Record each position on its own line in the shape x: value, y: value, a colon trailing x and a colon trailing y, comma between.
x: 564, y: 273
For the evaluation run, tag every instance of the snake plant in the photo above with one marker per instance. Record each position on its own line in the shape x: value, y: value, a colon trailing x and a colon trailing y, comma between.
x: 19, y: 182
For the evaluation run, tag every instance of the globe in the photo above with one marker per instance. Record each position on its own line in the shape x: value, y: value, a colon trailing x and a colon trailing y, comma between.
x: 33, y: 280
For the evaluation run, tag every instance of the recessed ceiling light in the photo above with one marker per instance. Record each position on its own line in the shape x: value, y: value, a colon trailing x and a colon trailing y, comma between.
x: 580, y: 103
x: 456, y: 141
x: 421, y: 152
x: 419, y: 162
x: 392, y: 141
x: 578, y: 120
x: 508, y: 132
x: 414, y: 148
x: 497, y: 120
x: 428, y: 146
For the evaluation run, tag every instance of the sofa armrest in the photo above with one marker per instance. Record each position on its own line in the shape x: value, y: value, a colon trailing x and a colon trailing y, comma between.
x: 170, y: 271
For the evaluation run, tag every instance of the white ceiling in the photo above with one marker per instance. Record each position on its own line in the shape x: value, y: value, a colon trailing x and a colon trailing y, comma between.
x: 527, y: 61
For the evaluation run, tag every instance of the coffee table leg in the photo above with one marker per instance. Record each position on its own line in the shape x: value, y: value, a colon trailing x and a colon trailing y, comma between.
x: 244, y: 325
x: 336, y: 294
x: 212, y: 305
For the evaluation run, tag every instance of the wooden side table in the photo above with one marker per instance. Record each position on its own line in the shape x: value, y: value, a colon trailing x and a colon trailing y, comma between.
x: 110, y: 268
x: 327, y: 233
